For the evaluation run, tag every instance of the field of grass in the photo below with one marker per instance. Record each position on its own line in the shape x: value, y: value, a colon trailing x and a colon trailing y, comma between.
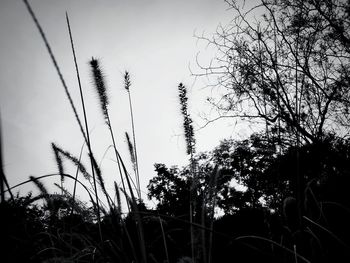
x: 58, y: 227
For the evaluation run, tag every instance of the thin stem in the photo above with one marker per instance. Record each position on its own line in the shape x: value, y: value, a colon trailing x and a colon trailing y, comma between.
x: 116, y: 153
x: 135, y: 150
x: 53, y: 59
x: 76, y: 176
x: 87, y: 137
x: 164, y: 239
x: 3, y: 179
x: 2, y: 174
x: 51, y: 175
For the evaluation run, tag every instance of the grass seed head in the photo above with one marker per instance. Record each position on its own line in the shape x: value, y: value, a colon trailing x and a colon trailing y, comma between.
x: 127, y: 82
x: 100, y: 85
x: 187, y: 121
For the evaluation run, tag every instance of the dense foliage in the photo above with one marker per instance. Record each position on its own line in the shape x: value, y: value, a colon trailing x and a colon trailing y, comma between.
x: 249, y: 181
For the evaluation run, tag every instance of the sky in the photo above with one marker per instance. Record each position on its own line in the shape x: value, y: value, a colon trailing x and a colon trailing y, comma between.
x: 152, y: 39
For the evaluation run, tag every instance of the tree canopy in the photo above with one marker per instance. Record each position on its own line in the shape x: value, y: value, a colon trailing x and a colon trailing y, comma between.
x: 286, y: 63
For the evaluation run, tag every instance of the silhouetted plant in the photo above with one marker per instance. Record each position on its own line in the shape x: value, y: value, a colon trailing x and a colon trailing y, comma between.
x: 3, y: 179
x: 259, y: 221
x: 100, y: 87
x: 131, y: 152
x: 190, y: 149
x: 70, y: 157
x: 127, y: 85
x: 102, y: 93
x: 187, y: 121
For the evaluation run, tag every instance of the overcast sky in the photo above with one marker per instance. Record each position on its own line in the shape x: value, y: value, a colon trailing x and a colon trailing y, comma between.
x: 152, y: 39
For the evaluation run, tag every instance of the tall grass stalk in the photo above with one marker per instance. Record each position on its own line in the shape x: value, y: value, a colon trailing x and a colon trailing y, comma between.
x: 58, y: 162
x: 101, y: 181
x: 131, y: 151
x: 127, y: 85
x: 87, y: 137
x: 132, y: 183
x: 164, y: 240
x: 2, y: 174
x: 123, y: 223
x: 102, y: 93
x: 134, y: 164
x: 190, y: 149
x: 76, y: 176
x: 117, y: 193
x: 203, y: 219
x: 212, y: 198
x: 80, y: 167
x: 41, y: 187
x: 3, y: 179
x: 53, y: 59
x: 76, y: 161
x: 136, y: 212
x: 101, y: 90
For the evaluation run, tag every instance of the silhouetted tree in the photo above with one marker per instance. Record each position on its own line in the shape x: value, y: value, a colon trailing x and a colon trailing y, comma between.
x: 286, y: 63
x: 266, y: 207
x: 241, y: 181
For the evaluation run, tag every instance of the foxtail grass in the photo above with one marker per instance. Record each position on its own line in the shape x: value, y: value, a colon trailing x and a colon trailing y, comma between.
x: 131, y: 151
x: 127, y: 85
x: 117, y: 194
x: 190, y: 149
x: 77, y: 173
x: 38, y: 178
x: 134, y: 163
x: 103, y: 98
x: 76, y: 161
x: 101, y: 182
x: 187, y: 121
x: 136, y: 212
x: 100, y: 87
x: 58, y: 162
x: 53, y: 59
x: 87, y: 137
x: 95, y: 170
x: 40, y: 185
